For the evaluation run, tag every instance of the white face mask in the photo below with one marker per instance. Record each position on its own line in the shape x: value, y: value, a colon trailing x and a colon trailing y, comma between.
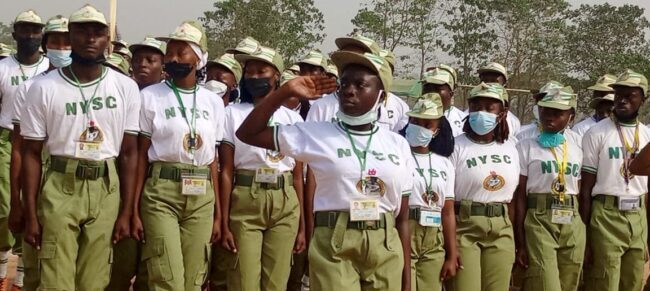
x: 369, y: 117
x: 216, y: 87
x: 536, y: 112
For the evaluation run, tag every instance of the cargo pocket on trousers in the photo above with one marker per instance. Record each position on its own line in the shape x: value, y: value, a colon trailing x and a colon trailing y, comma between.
x: 201, y: 274
x: 47, y: 267
x: 534, y: 279
x: 156, y: 258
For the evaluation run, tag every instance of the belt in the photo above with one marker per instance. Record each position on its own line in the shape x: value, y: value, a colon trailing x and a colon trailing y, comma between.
x: 329, y: 218
x: 246, y: 178
x: 613, y: 200
x: 549, y: 200
x: 174, y: 174
x: 5, y: 134
x: 483, y: 209
x: 87, y: 170
x: 414, y: 213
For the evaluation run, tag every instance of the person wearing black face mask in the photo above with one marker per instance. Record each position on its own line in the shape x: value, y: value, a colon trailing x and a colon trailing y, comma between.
x: 228, y: 71
x: 26, y: 63
x: 262, y: 214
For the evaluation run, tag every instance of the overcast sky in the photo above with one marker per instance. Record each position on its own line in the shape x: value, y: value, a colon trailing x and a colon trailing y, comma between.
x: 135, y: 23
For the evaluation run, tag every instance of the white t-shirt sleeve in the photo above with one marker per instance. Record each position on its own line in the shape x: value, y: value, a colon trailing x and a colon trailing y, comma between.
x: 228, y: 128
x: 590, y: 152
x: 132, y: 125
x: 451, y: 181
x: 409, y: 175
x: 219, y: 122
x: 19, y: 103
x: 34, y: 124
x: 146, y: 116
x: 523, y: 158
x: 291, y: 140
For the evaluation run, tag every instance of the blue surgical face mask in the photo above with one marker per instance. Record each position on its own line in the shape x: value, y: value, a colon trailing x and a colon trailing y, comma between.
x: 550, y: 139
x: 369, y: 117
x: 482, y: 122
x: 59, y: 58
x: 419, y: 136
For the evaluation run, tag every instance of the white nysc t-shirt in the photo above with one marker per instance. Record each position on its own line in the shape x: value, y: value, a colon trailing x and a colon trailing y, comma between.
x: 490, y: 172
x: 55, y: 111
x: 19, y: 101
x: 439, y: 174
x: 329, y: 152
x: 583, y: 126
x: 12, y: 75
x: 161, y: 120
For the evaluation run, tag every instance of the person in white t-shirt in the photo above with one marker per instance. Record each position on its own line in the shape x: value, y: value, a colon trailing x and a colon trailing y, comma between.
x: 612, y: 199
x: 262, y: 189
x: 532, y: 130
x: 442, y: 80
x: 227, y: 71
x: 489, y: 166
x: 86, y: 116
x: 363, y: 177
x: 550, y: 233
x: 602, y: 102
x: 56, y: 44
x: 497, y: 73
x: 434, y: 256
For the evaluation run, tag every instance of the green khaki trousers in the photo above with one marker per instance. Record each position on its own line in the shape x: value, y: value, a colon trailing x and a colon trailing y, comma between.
x: 427, y: 257
x: 342, y: 258
x: 264, y: 223
x: 177, y: 231
x: 555, y: 251
x: 126, y: 265
x: 7, y: 240
x: 618, y: 243
x: 487, y: 249
x: 77, y: 218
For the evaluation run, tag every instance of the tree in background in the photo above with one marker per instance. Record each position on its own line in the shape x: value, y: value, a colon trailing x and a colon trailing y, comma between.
x: 291, y: 26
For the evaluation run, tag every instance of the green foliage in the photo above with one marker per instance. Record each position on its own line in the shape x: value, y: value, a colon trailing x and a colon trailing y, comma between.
x: 291, y: 26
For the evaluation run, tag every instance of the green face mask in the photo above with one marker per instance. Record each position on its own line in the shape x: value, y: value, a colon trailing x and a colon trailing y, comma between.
x: 550, y: 140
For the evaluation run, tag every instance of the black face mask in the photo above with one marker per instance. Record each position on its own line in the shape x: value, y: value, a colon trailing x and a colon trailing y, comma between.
x: 234, y: 94
x: 177, y: 70
x: 28, y: 45
x: 257, y: 87
x: 76, y: 58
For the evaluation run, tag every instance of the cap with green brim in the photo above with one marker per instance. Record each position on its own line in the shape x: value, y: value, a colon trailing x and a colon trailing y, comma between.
x: 315, y: 58
x: 594, y: 102
x: 265, y: 55
x: 287, y: 76
x: 189, y: 31
x: 56, y: 24
x: 632, y: 79
x: 29, y: 17
x: 377, y: 64
x: 294, y: 68
x: 491, y: 90
x: 118, y: 62
x: 123, y: 51
x: 229, y: 62
x: 88, y: 14
x: 429, y: 106
x: 247, y: 46
x: 150, y: 42
x: 559, y: 98
x: 603, y: 83
x: 389, y: 56
x: 441, y: 75
x: 495, y: 68
x: 359, y: 40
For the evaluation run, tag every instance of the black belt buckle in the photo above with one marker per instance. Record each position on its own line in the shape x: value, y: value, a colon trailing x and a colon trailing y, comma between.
x: 88, y: 173
x: 331, y: 219
x: 274, y: 186
x: 493, y: 210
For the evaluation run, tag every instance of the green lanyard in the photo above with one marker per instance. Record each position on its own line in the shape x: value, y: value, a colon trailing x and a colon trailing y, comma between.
x: 22, y: 72
x: 83, y: 96
x: 429, y: 184
x: 361, y: 157
x: 191, y: 125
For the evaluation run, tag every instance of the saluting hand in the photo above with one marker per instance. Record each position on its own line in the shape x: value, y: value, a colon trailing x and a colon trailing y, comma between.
x: 310, y: 87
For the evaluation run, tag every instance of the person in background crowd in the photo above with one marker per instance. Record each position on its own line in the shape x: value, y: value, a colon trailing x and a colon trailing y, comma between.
x: 602, y: 102
x: 147, y: 61
x: 529, y: 131
x: 121, y: 47
x: 5, y: 51
x: 227, y: 71
x: 246, y: 46
x: 497, y: 73
x: 442, y: 80
x: 118, y: 63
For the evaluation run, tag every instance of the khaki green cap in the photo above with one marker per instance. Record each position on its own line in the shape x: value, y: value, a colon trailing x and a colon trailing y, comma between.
x: 315, y: 58
x: 29, y: 16
x: 332, y: 70
x: 496, y: 68
x: 632, y: 79
x: 602, y: 84
x: 6, y: 50
x: 120, y: 42
x: 189, y: 31
x: 118, y: 62
x: 559, y: 98
x: 287, y: 76
x: 551, y: 85
x: 56, y: 24
x: 263, y: 54
x: 389, y: 56
x: 374, y: 62
x: 123, y: 51
x: 150, y: 42
x: 88, y: 14
x: 594, y: 101
x: 294, y: 68
x: 429, y: 106
x: 359, y: 40
x: 229, y: 62
x: 247, y: 46
x: 491, y: 90
x: 441, y: 75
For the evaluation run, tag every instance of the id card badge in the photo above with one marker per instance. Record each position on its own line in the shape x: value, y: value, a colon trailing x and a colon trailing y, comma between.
x: 561, y: 214
x: 88, y: 150
x: 267, y: 175
x: 627, y: 203
x: 194, y: 184
x: 364, y: 210
x: 430, y: 217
